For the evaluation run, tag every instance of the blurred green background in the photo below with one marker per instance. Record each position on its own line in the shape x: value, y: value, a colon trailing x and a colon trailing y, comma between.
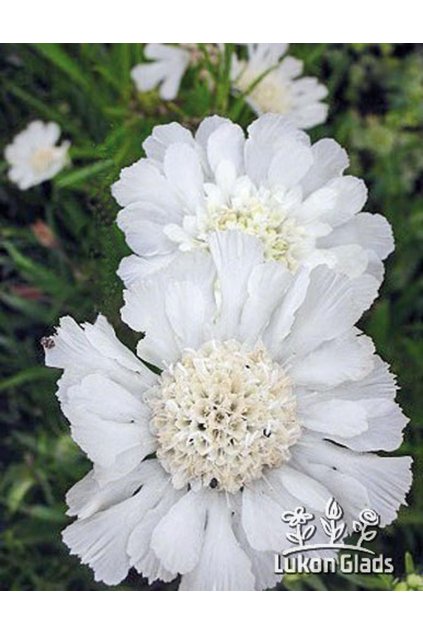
x: 60, y: 248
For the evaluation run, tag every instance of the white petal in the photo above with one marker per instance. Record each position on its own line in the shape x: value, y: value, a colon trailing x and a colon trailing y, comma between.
x: 223, y: 565
x: 385, y: 425
x: 93, y: 349
x: 386, y: 480
x: 267, y: 283
x: 262, y: 521
x: 290, y: 67
x: 378, y: 384
x: 103, y: 338
x: 266, y: 136
x: 351, y: 195
x: 309, y: 115
x: 88, y: 496
x: 333, y: 304
x: 180, y: 303
x: 266, y: 54
x: 189, y: 312
x: 178, y: 538
x: 133, y: 268
x: 101, y: 540
x: 99, y: 432
x: 313, y: 494
x: 143, y: 182
x: 307, y: 91
x: 349, y: 259
x: 207, y: 127
x: 226, y: 143
x: 371, y: 231
x: 145, y: 238
x: 148, y: 76
x: 283, y: 317
x: 183, y: 171
x: 142, y: 557
x: 351, y: 495
x: 144, y: 311
x: 334, y: 416
x: 235, y: 255
x: 348, y: 358
x: 162, y: 137
x: 168, y: 69
x: 289, y: 164
x: 329, y: 161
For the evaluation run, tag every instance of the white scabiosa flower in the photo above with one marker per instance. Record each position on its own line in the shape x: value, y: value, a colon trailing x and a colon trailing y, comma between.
x: 34, y: 156
x: 268, y: 399
x: 274, y: 185
x: 165, y: 70
x: 272, y: 83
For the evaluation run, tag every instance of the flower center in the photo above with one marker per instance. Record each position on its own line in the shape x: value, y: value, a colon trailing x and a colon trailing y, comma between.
x: 282, y: 237
x: 222, y: 415
x: 270, y: 94
x: 43, y: 159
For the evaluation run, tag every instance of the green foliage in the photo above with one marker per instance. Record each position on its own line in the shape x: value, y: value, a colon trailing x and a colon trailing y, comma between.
x: 376, y: 112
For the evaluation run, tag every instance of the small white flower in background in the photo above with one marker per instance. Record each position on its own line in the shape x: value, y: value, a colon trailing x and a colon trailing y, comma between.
x: 269, y: 81
x: 269, y: 400
x: 168, y: 66
x: 34, y: 156
x: 280, y: 88
x: 274, y: 185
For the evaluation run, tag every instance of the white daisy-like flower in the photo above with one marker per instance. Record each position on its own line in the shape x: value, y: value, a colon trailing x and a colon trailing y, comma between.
x: 165, y: 70
x: 272, y: 83
x: 269, y: 399
x: 274, y: 185
x: 34, y: 155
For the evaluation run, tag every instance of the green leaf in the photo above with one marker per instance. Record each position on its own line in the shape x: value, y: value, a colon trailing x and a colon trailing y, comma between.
x: 77, y: 177
x: 37, y: 373
x: 18, y: 492
x: 57, y: 56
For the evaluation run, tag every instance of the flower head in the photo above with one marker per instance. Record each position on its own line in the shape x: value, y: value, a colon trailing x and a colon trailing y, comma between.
x: 270, y: 80
x: 273, y: 185
x: 34, y: 156
x: 268, y: 399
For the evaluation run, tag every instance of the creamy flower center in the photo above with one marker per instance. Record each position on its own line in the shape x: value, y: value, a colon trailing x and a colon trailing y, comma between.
x: 282, y: 237
x: 222, y: 415
x: 270, y: 94
x: 43, y: 158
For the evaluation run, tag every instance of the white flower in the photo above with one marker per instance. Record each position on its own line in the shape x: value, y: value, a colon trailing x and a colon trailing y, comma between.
x: 169, y: 64
x: 271, y: 84
x: 269, y: 399
x: 34, y: 156
x: 274, y: 185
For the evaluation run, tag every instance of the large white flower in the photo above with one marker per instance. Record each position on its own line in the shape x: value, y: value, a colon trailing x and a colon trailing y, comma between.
x: 34, y: 156
x: 271, y: 83
x: 274, y: 185
x: 269, y: 399
x: 165, y: 70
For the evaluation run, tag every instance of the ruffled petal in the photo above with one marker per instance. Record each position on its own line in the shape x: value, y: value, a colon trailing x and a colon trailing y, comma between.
x: 223, y: 565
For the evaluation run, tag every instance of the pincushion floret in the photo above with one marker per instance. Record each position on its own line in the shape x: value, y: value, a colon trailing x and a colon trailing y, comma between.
x: 324, y: 403
x: 271, y: 183
x: 222, y: 415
